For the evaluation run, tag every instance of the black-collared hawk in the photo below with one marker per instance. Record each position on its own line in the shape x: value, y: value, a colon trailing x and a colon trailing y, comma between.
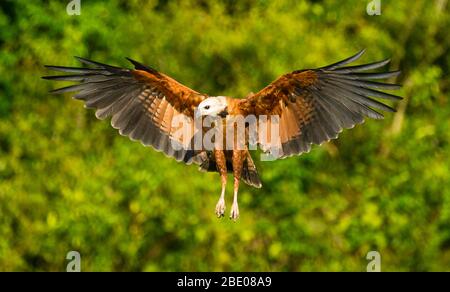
x: 312, y: 106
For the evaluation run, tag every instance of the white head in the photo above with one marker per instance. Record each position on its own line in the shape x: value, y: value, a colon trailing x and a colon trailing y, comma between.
x: 214, y: 106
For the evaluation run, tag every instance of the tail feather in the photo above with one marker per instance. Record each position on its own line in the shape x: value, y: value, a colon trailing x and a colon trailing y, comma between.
x: 250, y: 174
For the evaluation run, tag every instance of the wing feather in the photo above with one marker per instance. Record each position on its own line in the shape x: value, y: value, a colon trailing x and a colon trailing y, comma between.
x: 315, y: 105
x: 141, y: 102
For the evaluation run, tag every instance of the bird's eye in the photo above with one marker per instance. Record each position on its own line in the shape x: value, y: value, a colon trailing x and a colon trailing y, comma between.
x: 207, y: 107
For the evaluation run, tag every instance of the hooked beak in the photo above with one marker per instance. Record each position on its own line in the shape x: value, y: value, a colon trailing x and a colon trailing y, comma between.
x: 223, y: 113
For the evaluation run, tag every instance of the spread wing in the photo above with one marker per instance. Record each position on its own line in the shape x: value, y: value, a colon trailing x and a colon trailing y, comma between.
x: 314, y: 105
x: 142, y: 102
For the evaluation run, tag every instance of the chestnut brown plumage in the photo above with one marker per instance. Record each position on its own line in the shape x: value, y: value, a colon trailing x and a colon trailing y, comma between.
x: 313, y: 106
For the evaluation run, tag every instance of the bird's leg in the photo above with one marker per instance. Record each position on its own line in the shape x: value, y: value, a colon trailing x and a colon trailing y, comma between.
x: 235, y: 208
x: 222, y: 167
x: 238, y: 159
x: 220, y: 206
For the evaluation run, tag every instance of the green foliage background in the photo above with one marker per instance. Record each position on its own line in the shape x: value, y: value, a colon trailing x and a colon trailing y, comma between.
x: 70, y: 182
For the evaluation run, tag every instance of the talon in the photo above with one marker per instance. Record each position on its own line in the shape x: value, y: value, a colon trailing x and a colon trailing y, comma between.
x: 234, y: 215
x: 220, y: 208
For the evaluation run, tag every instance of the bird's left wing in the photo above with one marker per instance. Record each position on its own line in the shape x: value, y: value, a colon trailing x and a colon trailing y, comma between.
x: 314, y: 105
x: 142, y: 102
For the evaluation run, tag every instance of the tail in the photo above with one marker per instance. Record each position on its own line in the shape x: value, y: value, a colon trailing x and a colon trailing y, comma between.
x: 250, y: 174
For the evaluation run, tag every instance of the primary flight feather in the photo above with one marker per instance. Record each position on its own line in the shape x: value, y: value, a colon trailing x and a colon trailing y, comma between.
x: 312, y: 106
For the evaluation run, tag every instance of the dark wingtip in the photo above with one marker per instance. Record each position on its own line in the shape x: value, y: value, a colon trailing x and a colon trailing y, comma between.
x: 53, y: 67
x: 54, y: 92
x: 89, y: 62
x: 50, y: 77
x: 79, y: 58
x: 98, y: 64
x: 135, y: 63
x: 139, y: 66
x: 395, y: 73
x: 359, y: 54
x: 341, y: 63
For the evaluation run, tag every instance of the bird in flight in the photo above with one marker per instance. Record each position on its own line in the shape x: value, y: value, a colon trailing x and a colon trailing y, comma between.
x: 312, y: 106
